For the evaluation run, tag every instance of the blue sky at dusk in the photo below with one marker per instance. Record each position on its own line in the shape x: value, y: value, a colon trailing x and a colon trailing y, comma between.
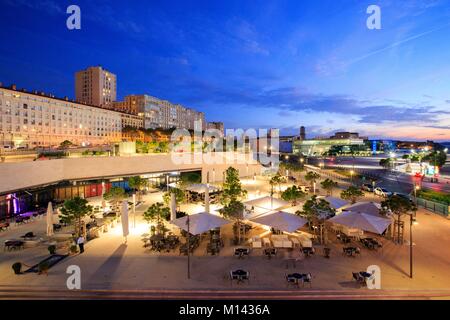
x: 248, y: 63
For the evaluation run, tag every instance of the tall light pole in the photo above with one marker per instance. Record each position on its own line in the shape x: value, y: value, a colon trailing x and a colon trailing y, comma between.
x: 351, y: 175
x: 410, y: 246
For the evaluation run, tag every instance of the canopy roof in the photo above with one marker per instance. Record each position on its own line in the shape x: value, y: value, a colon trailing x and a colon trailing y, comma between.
x: 201, y: 188
x: 200, y: 223
x: 364, y: 207
x: 282, y: 221
x: 267, y: 202
x: 336, y: 203
x: 366, y: 222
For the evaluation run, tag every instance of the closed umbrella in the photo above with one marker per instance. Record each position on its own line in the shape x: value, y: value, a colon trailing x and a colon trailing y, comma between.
x: 363, y: 221
x: 124, y: 218
x: 49, y: 219
x: 207, y: 199
x: 173, y: 207
x: 200, y: 222
x: 281, y: 220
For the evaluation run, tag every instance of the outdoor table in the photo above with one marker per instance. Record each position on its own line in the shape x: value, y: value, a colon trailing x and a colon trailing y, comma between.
x: 4, y: 226
x: 365, y: 274
x: 212, y: 248
x: 269, y: 252
x: 308, y: 251
x: 13, y: 244
x: 239, y: 275
x: 326, y: 252
x: 350, y: 251
x: 241, y: 252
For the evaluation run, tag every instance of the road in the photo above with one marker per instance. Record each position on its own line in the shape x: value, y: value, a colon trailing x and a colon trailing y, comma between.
x: 391, y: 180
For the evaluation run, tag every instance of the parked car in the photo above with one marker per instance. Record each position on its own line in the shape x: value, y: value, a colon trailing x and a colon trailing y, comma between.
x: 367, y: 187
x: 404, y: 196
x: 382, y: 192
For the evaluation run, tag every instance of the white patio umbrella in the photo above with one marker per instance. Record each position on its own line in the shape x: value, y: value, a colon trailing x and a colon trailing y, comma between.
x: 124, y: 218
x: 364, y: 221
x: 336, y: 203
x: 49, y: 219
x: 281, y: 220
x: 173, y: 207
x: 200, y: 222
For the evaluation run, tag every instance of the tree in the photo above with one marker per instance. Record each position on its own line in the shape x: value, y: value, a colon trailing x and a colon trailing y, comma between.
x: 74, y: 210
x: 352, y: 194
x: 137, y: 183
x: 436, y: 158
x: 232, y: 187
x: 65, y: 144
x: 277, y: 180
x: 190, y: 178
x: 385, y: 163
x: 234, y: 210
x: 328, y: 185
x: 398, y: 206
x: 156, y: 212
x: 312, y: 177
x: 179, y: 196
x: 292, y: 194
x: 115, y: 196
x: 316, y: 211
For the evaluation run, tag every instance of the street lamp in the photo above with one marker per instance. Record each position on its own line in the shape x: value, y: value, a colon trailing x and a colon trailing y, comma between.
x: 351, y: 175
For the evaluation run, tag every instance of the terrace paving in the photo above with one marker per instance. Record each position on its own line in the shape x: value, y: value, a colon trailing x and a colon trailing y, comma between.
x: 109, y: 264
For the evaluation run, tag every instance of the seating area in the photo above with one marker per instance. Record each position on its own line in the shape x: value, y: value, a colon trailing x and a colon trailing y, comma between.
x: 14, y: 245
x: 299, y: 278
x: 361, y: 277
x: 371, y: 243
x: 351, y: 251
x: 239, y: 276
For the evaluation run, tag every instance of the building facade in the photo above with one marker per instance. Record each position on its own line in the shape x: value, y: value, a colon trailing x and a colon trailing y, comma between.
x: 216, y: 125
x: 35, y: 119
x: 96, y: 86
x: 157, y: 113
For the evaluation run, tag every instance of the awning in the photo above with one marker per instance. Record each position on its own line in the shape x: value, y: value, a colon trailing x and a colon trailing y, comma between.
x: 363, y: 221
x: 364, y: 207
x: 200, y: 223
x: 282, y: 221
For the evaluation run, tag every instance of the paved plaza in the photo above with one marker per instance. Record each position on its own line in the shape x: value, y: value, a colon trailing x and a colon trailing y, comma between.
x: 109, y: 263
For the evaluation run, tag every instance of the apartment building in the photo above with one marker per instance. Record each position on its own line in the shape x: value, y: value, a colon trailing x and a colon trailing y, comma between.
x: 157, y: 113
x: 216, y: 125
x: 36, y: 119
x: 96, y: 86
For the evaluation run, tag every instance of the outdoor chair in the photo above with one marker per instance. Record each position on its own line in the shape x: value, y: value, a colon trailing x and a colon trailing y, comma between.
x: 359, y: 278
x: 4, y: 226
x: 307, y: 278
x: 326, y: 252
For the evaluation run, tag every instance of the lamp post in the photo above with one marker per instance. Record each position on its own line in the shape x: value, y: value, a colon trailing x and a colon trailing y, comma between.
x: 410, y: 246
x: 351, y: 175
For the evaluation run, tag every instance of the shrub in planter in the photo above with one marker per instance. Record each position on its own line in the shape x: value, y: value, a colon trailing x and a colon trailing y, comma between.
x: 73, y: 249
x: 43, y: 267
x: 17, y: 267
x: 52, y: 249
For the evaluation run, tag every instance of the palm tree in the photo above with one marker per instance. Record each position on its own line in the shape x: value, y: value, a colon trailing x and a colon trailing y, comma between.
x: 74, y: 210
x: 328, y: 185
x: 352, y: 194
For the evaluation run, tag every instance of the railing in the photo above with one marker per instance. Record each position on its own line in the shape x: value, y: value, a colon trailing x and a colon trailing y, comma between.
x: 436, y: 207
